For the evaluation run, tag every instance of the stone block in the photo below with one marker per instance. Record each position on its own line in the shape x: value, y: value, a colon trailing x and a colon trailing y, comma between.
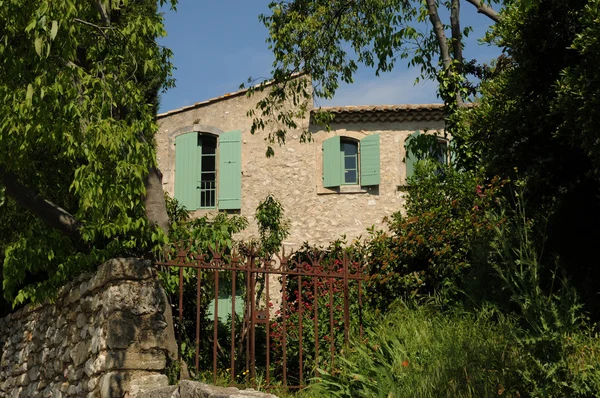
x: 121, y: 331
x: 164, y: 392
x: 112, y: 385
x: 193, y: 389
x: 135, y: 360
x: 136, y: 298
x: 146, y: 383
x: 121, y: 269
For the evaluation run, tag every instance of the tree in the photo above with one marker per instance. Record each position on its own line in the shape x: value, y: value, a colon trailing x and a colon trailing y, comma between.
x: 329, y: 39
x: 537, y: 121
x: 78, y: 100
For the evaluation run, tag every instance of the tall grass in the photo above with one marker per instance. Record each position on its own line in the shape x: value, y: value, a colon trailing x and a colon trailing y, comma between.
x: 419, y: 352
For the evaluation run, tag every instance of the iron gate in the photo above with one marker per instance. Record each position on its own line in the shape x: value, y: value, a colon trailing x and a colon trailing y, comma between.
x: 313, y: 290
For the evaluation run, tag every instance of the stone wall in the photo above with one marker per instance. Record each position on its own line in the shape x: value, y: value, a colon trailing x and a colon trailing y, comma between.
x: 294, y: 175
x: 107, y: 335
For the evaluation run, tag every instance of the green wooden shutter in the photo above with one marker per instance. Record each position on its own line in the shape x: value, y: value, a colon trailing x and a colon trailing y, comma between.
x: 410, y: 158
x: 230, y: 170
x: 369, y: 160
x: 332, y: 163
x: 187, y: 170
x: 452, y: 149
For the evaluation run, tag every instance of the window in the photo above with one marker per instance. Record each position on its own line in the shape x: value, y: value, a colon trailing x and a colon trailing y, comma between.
x: 429, y: 146
x: 208, y: 170
x: 351, y: 162
x: 349, y: 152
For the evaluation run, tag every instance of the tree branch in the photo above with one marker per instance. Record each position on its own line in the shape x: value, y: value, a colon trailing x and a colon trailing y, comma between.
x: 103, y: 14
x: 457, y: 43
x: 52, y: 214
x: 485, y: 10
x: 438, y: 29
x: 99, y: 28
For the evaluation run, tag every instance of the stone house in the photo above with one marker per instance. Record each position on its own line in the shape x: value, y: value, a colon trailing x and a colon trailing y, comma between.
x: 342, y: 182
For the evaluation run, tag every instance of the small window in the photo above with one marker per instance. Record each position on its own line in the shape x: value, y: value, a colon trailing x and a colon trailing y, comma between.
x: 349, y: 152
x: 208, y: 171
x: 441, y: 154
x: 344, y: 164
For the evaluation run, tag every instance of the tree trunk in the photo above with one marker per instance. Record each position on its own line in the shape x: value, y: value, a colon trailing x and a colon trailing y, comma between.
x: 52, y: 214
x: 61, y: 220
x: 156, y: 207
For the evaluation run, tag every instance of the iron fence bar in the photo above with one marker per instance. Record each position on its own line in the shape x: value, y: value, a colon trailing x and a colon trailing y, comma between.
x: 316, y: 315
x: 346, y: 303
x: 233, y: 315
x: 331, y: 334
x: 284, y: 328
x: 215, y: 327
x: 300, y: 315
x: 360, y: 315
x: 180, y: 311
x: 253, y: 327
x: 198, y: 300
x: 247, y: 320
x: 268, y: 299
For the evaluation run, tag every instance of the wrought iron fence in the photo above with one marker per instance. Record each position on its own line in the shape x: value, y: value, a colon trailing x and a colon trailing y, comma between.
x: 319, y: 300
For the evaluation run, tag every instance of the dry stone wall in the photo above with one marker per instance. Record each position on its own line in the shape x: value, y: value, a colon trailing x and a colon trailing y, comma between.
x: 107, y: 335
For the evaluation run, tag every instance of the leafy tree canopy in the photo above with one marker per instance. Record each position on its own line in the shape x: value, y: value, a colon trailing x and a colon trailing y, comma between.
x: 329, y: 39
x: 77, y: 121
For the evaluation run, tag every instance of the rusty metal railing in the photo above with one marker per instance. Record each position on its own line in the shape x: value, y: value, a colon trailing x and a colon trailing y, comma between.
x: 316, y: 291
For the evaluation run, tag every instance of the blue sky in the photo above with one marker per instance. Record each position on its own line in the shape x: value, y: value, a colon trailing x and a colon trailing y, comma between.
x: 218, y: 44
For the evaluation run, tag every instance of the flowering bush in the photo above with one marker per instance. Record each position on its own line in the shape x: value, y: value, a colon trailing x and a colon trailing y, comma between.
x: 433, y: 244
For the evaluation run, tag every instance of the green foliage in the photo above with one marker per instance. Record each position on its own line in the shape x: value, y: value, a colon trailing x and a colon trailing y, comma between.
x: 272, y: 226
x: 422, y: 352
x: 432, y: 245
x: 578, y: 88
x: 558, y: 347
x: 537, y: 119
x: 77, y: 121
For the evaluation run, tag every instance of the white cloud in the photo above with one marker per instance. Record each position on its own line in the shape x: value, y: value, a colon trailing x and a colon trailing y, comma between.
x: 397, y: 87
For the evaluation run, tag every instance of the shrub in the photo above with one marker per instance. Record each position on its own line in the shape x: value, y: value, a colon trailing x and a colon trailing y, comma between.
x: 561, y: 354
x: 432, y: 245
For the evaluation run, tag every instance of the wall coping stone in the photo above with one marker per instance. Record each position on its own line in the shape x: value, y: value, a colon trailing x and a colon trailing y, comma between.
x: 194, y: 389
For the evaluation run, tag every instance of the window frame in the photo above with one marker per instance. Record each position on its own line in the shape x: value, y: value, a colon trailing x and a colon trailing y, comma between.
x: 356, y: 156
x: 214, y: 155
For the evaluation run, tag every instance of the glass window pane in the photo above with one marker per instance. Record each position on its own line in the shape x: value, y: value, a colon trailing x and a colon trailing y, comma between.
x: 349, y: 148
x: 350, y: 162
x: 208, y: 163
x: 208, y: 177
x: 209, y: 144
x: 350, y: 176
x: 442, y: 151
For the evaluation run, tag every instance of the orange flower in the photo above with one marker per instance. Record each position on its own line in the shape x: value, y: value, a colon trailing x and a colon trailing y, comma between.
x: 405, y: 363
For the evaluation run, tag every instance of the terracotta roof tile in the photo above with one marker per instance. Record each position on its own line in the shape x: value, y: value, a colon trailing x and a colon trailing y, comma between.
x: 385, y: 113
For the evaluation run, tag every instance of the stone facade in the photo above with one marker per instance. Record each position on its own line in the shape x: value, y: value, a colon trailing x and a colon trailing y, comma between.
x: 107, y: 335
x: 294, y: 175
